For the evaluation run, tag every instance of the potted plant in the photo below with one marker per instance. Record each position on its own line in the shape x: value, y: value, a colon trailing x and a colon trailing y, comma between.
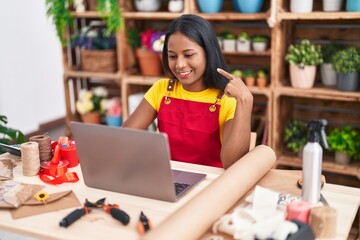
x: 229, y: 42
x: 213, y: 7
x: 304, y: 6
x: 112, y: 110
x: 327, y: 70
x: 89, y: 104
x: 303, y: 59
x: 345, y: 142
x: 237, y: 73
x: 353, y: 5
x: 249, y: 76
x: 9, y: 135
x: 59, y: 11
x: 295, y: 135
x: 347, y: 66
x: 246, y: 6
x: 261, y: 80
x: 243, y: 42
x: 97, y: 48
x: 259, y: 43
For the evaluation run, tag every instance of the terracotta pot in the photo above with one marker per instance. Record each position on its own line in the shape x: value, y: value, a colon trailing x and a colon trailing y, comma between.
x: 261, y: 82
x: 250, y: 81
x: 149, y: 62
x: 91, y: 117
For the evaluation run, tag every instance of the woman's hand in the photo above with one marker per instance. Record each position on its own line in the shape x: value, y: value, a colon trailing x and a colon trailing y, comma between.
x: 236, y: 88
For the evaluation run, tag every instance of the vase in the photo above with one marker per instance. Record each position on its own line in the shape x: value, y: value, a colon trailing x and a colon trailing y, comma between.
x: 247, y: 6
x: 301, y: 6
x: 210, y: 6
x: 147, y: 5
x: 91, y: 117
x: 114, y: 121
x: 332, y: 5
x: 328, y: 74
x: 176, y: 5
x: 149, y: 62
x: 302, y: 77
x: 353, y: 5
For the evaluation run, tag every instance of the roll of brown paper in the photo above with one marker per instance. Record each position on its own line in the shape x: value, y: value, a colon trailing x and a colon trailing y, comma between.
x: 196, y: 217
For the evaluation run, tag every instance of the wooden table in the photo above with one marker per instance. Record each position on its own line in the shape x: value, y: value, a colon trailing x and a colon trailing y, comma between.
x: 98, y: 225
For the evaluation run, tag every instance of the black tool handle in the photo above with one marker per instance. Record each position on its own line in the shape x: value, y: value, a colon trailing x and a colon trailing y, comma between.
x: 72, y: 217
x: 120, y: 215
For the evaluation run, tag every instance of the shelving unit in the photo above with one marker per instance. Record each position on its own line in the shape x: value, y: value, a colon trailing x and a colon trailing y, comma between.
x: 273, y: 105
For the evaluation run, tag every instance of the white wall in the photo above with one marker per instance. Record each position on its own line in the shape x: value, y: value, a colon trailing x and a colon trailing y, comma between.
x: 31, y: 87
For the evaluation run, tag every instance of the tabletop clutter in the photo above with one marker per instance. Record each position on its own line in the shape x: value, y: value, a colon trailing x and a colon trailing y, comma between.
x: 265, y: 214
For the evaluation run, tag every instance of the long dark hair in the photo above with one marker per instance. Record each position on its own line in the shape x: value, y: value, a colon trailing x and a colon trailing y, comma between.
x: 202, y: 32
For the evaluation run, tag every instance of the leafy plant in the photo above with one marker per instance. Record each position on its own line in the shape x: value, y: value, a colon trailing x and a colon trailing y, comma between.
x: 244, y: 36
x: 304, y: 53
x: 328, y: 52
x: 94, y: 39
x: 109, y: 11
x: 261, y: 74
x: 347, y: 60
x: 295, y: 135
x: 345, y: 140
x: 249, y: 73
x: 259, y: 39
x: 9, y: 135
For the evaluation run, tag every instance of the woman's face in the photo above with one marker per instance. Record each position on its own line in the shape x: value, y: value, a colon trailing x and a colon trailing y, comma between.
x: 187, y: 62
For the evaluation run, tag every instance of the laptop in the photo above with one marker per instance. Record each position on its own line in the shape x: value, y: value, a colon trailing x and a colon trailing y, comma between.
x: 130, y: 161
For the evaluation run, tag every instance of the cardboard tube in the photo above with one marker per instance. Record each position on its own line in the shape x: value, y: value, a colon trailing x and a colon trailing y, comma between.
x: 196, y: 216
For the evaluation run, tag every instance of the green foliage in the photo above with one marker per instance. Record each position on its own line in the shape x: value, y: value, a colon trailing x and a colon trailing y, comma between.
x: 249, y: 73
x: 347, y: 60
x: 229, y: 36
x: 238, y: 73
x: 133, y: 37
x: 295, y: 135
x: 259, y: 39
x: 9, y: 135
x: 261, y: 74
x: 112, y: 16
x: 328, y: 51
x: 345, y: 140
x: 60, y: 15
x: 244, y: 36
x: 304, y: 53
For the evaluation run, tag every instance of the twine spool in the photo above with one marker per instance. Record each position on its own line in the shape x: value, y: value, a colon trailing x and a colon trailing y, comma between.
x: 323, y: 222
x: 30, y: 158
x: 44, y: 142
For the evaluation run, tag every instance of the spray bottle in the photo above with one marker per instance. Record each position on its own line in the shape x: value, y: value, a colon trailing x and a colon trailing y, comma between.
x: 312, y: 161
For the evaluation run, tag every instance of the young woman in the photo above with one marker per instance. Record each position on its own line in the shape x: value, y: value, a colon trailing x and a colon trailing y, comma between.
x: 204, y: 110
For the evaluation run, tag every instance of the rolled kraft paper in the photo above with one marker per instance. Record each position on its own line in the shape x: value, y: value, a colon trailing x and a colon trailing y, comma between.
x: 298, y: 210
x: 196, y: 216
x: 323, y: 222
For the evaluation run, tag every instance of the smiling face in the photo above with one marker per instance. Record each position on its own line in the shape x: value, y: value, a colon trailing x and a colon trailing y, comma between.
x: 187, y: 62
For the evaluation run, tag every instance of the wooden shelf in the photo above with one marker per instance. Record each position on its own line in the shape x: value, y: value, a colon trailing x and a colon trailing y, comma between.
x: 234, y: 16
x: 140, y: 80
x: 266, y: 53
x: 81, y: 74
x: 317, y: 16
x: 327, y: 166
x: 150, y: 15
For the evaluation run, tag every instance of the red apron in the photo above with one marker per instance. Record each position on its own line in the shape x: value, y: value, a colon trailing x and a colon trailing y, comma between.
x: 192, y: 128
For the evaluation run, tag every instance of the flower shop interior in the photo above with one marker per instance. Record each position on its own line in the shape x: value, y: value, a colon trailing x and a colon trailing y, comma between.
x: 93, y: 60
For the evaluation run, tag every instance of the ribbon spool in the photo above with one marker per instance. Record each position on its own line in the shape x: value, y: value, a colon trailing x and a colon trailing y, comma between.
x: 30, y: 158
x: 298, y: 210
x: 44, y: 142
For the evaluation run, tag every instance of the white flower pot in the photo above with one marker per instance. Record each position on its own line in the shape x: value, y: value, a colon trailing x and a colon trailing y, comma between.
x: 229, y: 45
x: 176, y: 5
x: 301, y: 6
x: 328, y: 74
x: 147, y: 5
x: 332, y: 5
x: 302, y: 77
x: 243, y: 45
x: 342, y: 158
x: 259, y: 46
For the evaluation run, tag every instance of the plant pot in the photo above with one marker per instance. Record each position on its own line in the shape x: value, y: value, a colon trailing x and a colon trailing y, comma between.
x: 353, y: 5
x: 176, y: 5
x: 229, y: 45
x: 147, y: 5
x: 210, y: 6
x: 259, y: 46
x: 328, y: 74
x: 91, y: 117
x: 301, y: 6
x: 98, y: 60
x: 246, y: 6
x: 302, y: 77
x: 243, y: 45
x: 347, y: 82
x: 332, y: 5
x: 149, y: 62
x: 236, y: 6
x: 261, y: 82
x: 114, y: 121
x: 342, y: 158
x: 250, y: 81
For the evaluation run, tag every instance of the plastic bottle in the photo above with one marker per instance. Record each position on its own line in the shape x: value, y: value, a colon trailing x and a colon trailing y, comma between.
x: 312, y: 162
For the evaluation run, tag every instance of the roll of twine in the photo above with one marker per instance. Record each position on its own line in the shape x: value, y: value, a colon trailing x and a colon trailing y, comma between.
x: 44, y: 142
x: 30, y: 158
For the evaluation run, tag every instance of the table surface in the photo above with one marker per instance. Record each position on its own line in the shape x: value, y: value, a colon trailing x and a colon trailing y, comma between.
x: 98, y: 224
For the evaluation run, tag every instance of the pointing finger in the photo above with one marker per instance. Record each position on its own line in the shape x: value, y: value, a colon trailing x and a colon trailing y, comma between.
x: 225, y: 74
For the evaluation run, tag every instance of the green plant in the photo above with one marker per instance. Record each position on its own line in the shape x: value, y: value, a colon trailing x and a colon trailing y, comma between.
x: 109, y: 11
x: 304, y: 53
x: 347, y: 60
x: 244, y: 36
x: 295, y: 134
x: 345, y: 140
x: 259, y: 39
x: 9, y: 135
x: 328, y: 51
x: 229, y: 36
x: 249, y: 73
x: 238, y: 73
x: 261, y: 74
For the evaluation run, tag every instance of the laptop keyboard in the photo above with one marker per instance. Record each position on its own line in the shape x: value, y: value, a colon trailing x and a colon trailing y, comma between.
x: 179, y: 187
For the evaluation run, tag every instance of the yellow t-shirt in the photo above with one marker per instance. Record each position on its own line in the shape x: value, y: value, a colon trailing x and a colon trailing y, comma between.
x: 159, y: 89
